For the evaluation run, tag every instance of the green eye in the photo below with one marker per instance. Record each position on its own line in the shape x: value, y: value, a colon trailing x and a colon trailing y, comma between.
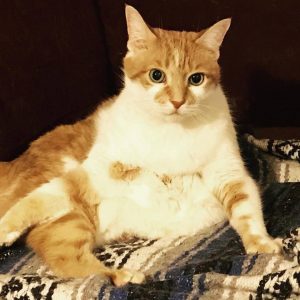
x: 196, y: 79
x: 157, y: 76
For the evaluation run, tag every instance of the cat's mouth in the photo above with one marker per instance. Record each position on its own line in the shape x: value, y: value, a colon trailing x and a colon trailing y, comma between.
x: 179, y: 115
x: 175, y: 112
x: 175, y: 115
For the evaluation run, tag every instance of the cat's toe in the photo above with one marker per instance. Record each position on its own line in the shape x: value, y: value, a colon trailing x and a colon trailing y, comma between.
x: 264, y: 245
x: 9, y: 238
x: 137, y: 277
x: 123, y: 276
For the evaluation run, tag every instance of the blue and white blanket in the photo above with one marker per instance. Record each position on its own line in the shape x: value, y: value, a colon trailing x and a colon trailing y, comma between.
x: 209, y: 265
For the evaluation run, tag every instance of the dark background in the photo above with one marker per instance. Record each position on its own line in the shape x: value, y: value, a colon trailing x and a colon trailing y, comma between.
x: 59, y: 58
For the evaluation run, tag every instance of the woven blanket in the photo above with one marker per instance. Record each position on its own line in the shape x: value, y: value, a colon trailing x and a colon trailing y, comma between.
x: 278, y: 160
x: 212, y: 264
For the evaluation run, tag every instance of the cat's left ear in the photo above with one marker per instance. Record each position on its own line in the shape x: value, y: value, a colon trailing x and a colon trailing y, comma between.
x: 139, y: 34
x: 213, y: 37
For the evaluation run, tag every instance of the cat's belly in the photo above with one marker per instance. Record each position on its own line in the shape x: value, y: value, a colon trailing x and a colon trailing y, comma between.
x: 152, y: 207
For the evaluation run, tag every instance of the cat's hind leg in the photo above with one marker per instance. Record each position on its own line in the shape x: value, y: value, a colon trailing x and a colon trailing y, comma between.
x: 45, y: 203
x: 66, y: 247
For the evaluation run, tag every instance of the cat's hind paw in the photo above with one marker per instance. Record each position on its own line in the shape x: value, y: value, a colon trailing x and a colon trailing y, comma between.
x: 124, y: 276
x: 264, y: 245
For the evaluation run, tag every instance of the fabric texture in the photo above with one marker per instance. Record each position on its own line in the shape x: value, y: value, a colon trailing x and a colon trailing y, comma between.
x: 279, y: 160
x: 212, y: 264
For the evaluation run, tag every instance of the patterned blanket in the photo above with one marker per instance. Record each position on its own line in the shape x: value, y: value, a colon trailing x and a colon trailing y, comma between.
x: 209, y: 265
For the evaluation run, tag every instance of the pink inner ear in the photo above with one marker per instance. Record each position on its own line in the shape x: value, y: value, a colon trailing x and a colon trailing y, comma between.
x: 138, y: 31
x: 213, y: 36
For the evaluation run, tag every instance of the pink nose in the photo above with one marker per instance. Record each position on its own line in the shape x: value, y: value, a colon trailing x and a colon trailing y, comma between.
x: 177, y: 104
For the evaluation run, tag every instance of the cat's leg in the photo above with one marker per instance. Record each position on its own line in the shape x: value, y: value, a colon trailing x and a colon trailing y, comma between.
x: 47, y: 202
x: 242, y: 204
x: 66, y: 246
x: 228, y: 180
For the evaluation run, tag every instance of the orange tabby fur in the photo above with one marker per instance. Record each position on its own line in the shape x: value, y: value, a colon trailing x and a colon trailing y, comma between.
x: 65, y: 221
x: 67, y: 243
x: 137, y: 66
x: 43, y: 160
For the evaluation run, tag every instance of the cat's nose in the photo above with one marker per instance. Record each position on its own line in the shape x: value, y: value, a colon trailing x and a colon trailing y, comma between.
x: 177, y: 104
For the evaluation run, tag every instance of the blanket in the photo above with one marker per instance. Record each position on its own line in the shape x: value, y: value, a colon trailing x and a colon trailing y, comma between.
x: 212, y: 264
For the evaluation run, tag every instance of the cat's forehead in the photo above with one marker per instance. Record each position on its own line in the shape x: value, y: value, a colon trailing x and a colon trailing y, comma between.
x: 178, y: 49
x: 175, y: 52
x: 176, y: 38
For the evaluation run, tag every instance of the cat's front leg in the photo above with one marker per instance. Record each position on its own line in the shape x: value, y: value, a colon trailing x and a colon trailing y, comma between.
x: 242, y: 203
x: 239, y: 195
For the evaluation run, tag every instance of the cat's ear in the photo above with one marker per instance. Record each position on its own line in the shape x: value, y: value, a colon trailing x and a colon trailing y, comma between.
x: 213, y: 37
x: 139, y: 34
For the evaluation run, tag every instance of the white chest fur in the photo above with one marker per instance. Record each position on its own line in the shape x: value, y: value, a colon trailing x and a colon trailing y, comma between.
x: 146, y: 206
x: 166, y: 148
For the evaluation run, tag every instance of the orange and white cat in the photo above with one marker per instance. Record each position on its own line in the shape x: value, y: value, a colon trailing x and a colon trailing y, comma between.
x: 159, y: 159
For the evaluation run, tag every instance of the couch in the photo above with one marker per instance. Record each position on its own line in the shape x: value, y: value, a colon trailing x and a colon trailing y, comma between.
x: 60, y: 58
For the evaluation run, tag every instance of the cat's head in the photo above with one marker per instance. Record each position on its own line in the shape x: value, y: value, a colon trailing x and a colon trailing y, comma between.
x: 172, y: 72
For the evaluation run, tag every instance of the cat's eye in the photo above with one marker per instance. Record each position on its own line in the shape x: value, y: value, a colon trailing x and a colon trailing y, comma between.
x: 196, y: 79
x: 157, y: 75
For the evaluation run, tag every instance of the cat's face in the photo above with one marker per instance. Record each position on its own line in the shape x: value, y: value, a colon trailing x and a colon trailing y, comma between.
x: 173, y: 72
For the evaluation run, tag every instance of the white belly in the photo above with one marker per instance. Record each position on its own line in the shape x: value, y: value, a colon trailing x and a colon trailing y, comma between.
x: 146, y: 206
x: 149, y: 208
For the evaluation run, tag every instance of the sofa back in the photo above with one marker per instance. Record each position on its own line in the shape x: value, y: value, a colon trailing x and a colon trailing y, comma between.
x: 58, y: 59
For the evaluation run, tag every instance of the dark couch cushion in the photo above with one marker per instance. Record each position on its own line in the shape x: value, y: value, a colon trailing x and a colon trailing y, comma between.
x: 59, y: 58
x: 53, y: 68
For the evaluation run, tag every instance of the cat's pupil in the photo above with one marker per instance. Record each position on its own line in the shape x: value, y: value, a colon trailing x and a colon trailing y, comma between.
x: 156, y: 75
x: 196, y: 79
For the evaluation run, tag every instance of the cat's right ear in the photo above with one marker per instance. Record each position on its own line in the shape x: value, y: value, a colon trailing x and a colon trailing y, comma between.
x: 139, y: 34
x: 213, y: 37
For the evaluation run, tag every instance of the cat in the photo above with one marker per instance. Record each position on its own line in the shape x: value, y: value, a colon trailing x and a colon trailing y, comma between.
x: 159, y: 159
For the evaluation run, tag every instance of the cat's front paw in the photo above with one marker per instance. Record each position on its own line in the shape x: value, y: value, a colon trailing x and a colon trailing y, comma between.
x: 7, y: 239
x: 264, y: 245
x: 124, y: 276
